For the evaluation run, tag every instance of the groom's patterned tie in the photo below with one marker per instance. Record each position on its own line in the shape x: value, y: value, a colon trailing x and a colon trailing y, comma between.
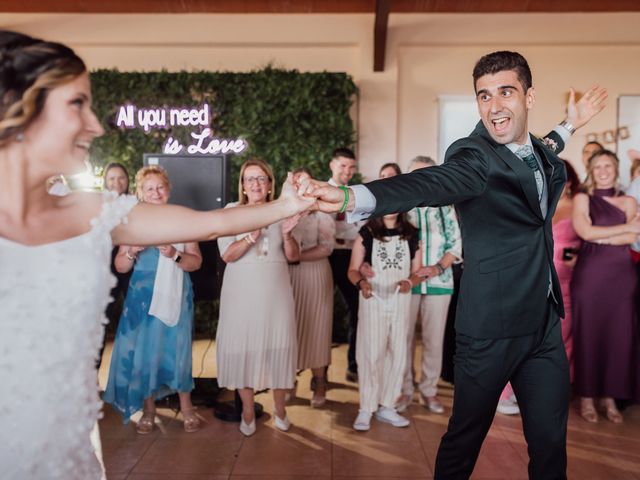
x: 525, y: 153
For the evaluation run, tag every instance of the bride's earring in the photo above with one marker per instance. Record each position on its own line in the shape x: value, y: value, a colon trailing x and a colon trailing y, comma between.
x: 19, y: 137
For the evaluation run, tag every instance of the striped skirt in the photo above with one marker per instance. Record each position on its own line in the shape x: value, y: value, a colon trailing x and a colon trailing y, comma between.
x: 256, y: 340
x: 313, y: 294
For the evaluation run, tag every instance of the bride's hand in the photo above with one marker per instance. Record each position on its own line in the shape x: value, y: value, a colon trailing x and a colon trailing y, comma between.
x: 294, y: 197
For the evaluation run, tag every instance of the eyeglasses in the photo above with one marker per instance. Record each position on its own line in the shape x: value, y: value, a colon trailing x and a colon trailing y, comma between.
x: 261, y: 179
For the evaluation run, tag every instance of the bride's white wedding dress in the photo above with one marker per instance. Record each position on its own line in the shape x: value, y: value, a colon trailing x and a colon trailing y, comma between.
x: 52, y: 303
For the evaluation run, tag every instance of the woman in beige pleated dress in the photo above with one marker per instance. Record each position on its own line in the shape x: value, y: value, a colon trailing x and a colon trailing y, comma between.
x: 313, y: 295
x: 256, y: 340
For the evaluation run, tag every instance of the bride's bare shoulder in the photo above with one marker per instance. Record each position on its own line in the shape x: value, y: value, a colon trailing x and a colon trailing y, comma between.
x: 104, y: 208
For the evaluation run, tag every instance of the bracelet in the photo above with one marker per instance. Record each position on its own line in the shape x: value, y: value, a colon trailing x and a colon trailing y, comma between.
x: 440, y: 268
x: 126, y: 254
x: 249, y: 239
x: 570, y: 128
x: 343, y: 208
x: 360, y: 281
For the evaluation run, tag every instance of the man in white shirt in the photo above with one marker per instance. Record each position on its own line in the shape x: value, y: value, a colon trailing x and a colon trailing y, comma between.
x: 343, y: 168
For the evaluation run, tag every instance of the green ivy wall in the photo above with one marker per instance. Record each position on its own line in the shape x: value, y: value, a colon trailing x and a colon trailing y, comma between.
x: 288, y: 118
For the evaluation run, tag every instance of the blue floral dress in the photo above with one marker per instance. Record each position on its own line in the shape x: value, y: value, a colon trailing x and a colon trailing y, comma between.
x: 149, y: 358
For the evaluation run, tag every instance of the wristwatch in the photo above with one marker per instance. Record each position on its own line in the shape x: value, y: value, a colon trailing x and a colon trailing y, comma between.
x: 570, y: 128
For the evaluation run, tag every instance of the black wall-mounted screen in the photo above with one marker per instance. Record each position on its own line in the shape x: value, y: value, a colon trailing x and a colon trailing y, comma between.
x: 200, y: 182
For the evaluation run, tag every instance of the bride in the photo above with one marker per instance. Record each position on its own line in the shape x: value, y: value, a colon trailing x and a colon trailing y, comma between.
x: 54, y: 258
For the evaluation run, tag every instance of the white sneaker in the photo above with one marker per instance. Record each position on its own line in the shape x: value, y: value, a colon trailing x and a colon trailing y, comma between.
x: 247, y: 429
x: 363, y: 421
x: 432, y: 404
x: 403, y: 402
x: 389, y: 415
x: 281, y: 424
x: 508, y: 406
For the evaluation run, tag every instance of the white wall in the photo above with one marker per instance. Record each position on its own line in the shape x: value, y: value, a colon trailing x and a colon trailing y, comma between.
x: 428, y: 55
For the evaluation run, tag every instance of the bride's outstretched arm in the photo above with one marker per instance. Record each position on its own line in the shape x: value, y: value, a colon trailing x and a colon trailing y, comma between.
x: 160, y: 224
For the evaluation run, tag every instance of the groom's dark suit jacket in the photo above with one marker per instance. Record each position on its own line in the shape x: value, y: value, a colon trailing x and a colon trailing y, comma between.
x: 508, y: 245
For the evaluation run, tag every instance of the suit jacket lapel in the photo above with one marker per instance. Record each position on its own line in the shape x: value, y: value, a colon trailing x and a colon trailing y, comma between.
x: 522, y: 171
x: 553, y: 172
x: 525, y: 177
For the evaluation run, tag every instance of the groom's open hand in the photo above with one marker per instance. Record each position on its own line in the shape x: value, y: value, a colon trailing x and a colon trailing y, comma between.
x: 580, y: 112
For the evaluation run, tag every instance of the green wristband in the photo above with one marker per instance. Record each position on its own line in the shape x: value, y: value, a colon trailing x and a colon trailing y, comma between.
x: 343, y: 208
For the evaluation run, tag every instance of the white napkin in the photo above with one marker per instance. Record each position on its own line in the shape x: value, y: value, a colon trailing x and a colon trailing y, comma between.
x: 167, y: 290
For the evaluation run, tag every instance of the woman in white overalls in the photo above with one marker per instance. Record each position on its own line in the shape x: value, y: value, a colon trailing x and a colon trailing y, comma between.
x: 389, y: 245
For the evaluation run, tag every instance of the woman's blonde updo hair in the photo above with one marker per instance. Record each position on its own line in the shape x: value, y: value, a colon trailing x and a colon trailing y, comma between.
x: 266, y: 168
x: 29, y: 69
x: 144, y: 172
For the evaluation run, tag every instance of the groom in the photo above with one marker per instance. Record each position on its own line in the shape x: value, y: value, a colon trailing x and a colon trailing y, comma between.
x: 505, y: 184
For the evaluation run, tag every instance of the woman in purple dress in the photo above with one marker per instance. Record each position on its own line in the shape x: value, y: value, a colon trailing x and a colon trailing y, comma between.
x: 606, y: 345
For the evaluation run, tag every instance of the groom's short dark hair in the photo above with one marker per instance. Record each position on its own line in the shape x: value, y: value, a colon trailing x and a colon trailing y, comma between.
x: 500, y: 61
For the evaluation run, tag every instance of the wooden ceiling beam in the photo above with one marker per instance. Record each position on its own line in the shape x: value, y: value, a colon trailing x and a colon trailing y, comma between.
x: 188, y: 6
x: 509, y: 6
x: 380, y: 34
x: 314, y: 6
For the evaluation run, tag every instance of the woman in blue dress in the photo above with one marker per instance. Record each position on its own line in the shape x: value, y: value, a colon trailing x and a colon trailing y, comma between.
x: 151, y: 355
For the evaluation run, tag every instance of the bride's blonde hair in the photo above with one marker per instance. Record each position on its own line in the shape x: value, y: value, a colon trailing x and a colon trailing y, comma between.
x: 29, y: 69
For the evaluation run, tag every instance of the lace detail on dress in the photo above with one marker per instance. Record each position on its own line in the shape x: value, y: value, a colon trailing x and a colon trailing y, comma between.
x: 115, y: 209
x: 53, y: 299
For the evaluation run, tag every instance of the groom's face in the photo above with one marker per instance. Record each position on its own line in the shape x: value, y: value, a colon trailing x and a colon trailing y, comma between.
x: 504, y: 106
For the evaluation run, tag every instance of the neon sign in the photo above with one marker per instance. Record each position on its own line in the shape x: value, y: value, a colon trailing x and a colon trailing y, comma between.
x: 215, y: 145
x: 130, y: 116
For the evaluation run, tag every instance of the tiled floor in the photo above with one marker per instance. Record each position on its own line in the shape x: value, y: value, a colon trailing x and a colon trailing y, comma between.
x: 322, y: 445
